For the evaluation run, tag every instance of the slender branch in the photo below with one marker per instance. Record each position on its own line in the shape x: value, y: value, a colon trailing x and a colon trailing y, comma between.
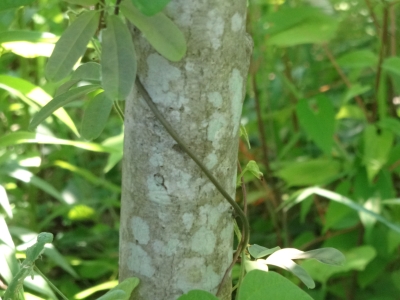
x: 382, y: 55
x: 373, y: 16
x: 260, y: 124
x: 50, y: 283
x: 175, y: 136
x: 392, y: 13
x: 116, y: 9
x: 347, y: 82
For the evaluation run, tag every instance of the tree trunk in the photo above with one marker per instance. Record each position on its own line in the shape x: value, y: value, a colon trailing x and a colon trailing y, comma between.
x: 176, y: 228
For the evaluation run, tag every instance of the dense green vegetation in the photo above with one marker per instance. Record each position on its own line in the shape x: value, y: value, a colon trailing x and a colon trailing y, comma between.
x: 322, y: 117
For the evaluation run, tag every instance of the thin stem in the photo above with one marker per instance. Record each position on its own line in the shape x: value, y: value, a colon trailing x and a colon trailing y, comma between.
x: 382, y: 55
x: 260, y: 124
x: 392, y: 30
x: 174, y: 135
x: 119, y: 110
x: 347, y: 82
x: 116, y: 9
x: 50, y: 283
x: 373, y: 16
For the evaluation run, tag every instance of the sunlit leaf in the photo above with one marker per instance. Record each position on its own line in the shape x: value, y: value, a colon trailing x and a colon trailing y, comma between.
x: 71, y: 45
x: 100, y: 287
x: 159, y: 30
x: 150, y: 8
x: 127, y: 286
x: 31, y: 94
x: 118, y: 60
x: 60, y: 101
x: 5, y: 203
x: 22, y: 137
x: 27, y: 36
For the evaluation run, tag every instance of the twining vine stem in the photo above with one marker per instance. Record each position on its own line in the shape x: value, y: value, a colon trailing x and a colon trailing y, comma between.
x: 239, y: 212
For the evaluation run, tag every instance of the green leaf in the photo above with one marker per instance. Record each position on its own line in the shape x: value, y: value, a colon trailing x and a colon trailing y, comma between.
x: 376, y: 149
x: 356, y: 259
x: 32, y: 95
x: 392, y: 64
x: 32, y: 254
x: 28, y: 177
x: 345, y: 201
x: 90, y: 71
x: 258, y: 284
x: 118, y: 60
x: 302, y: 25
x: 197, y: 295
x: 22, y: 137
x: 71, y: 45
x: 60, y: 101
x: 358, y: 59
x: 96, y: 116
x: 317, y: 117
x: 7, y: 4
x: 330, y: 256
x: 150, y: 8
x: 312, y: 172
x: 159, y: 30
x: 5, y: 203
x: 391, y: 124
x: 127, y: 286
x: 258, y: 251
x: 83, y: 2
x: 27, y: 36
x: 283, y: 259
x: 87, y: 175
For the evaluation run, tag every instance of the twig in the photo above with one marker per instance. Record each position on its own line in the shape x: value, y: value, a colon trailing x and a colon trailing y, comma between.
x: 382, y: 55
x: 373, y: 16
x: 347, y: 82
x: 116, y: 9
x: 260, y: 124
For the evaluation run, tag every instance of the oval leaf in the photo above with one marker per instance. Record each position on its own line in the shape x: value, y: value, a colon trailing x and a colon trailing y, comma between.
x: 71, y: 45
x: 118, y: 60
x: 150, y: 8
x: 60, y: 101
x: 90, y: 71
x: 330, y: 256
x: 159, y: 31
x: 261, y: 285
x: 96, y: 115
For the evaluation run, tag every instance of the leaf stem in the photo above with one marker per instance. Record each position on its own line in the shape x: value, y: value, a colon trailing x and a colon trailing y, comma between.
x: 50, y: 283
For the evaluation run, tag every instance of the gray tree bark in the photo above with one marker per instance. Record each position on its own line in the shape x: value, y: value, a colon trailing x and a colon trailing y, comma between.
x: 176, y: 228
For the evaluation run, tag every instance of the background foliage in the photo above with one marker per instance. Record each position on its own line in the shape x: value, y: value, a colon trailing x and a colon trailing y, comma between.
x: 322, y: 115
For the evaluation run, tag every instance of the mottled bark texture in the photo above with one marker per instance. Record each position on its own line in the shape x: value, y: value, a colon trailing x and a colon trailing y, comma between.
x: 176, y: 228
